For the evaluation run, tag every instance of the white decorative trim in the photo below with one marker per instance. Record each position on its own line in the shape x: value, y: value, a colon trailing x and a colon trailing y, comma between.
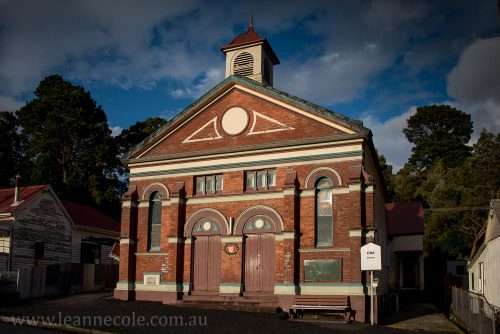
x: 361, y: 233
x: 217, y: 212
x: 129, y: 204
x: 285, y: 236
x: 175, y: 240
x: 127, y: 241
x: 143, y: 204
x: 124, y: 286
x: 257, y: 157
x: 256, y: 114
x: 229, y: 288
x: 143, y: 197
x: 355, y: 187
x: 235, y: 198
x: 297, y: 110
x: 306, y: 183
x: 187, y: 241
x: 238, y: 169
x: 324, y: 250
x: 214, y: 122
x: 369, y: 189
x: 335, y: 191
x: 284, y: 289
x: 289, y: 192
x: 231, y: 238
x: 152, y: 254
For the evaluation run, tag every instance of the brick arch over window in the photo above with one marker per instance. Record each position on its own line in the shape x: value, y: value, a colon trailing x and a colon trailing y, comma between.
x: 255, y: 211
x: 157, y: 186
x: 214, y: 216
x: 317, y: 173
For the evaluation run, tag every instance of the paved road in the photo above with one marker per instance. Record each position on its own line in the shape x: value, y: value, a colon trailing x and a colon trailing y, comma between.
x: 102, y: 312
x: 9, y: 328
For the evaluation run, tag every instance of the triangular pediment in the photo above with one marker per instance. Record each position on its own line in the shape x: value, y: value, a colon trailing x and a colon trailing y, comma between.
x: 240, y: 113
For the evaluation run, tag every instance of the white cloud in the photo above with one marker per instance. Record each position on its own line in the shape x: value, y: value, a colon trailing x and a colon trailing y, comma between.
x: 475, y: 83
x: 389, y: 139
x: 115, y: 130
x: 9, y: 103
x: 210, y: 79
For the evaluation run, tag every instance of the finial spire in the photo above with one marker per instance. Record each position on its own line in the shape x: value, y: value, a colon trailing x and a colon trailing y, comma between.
x: 251, y: 20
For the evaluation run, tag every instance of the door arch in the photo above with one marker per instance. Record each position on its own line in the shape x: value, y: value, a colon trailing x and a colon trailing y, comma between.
x: 258, y: 225
x: 204, y: 228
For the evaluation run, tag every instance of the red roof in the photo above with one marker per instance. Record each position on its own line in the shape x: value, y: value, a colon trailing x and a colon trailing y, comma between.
x: 249, y: 36
x: 405, y: 218
x: 86, y: 216
x: 7, y: 197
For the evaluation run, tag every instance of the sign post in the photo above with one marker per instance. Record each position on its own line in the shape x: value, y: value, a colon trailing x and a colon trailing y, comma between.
x: 371, y: 260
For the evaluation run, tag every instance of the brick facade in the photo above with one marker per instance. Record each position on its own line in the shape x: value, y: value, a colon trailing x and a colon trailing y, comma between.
x: 301, y: 143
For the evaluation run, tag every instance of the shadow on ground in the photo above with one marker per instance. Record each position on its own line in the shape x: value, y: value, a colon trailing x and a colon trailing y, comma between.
x: 77, y: 308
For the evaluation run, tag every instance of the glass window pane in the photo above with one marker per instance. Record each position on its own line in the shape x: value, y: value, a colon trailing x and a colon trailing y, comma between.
x: 200, y: 184
x: 324, y: 203
x: 155, y: 220
x: 271, y: 178
x: 250, y: 183
x: 324, y: 231
x: 209, y: 183
x: 261, y: 179
x: 219, y: 182
x: 155, y: 236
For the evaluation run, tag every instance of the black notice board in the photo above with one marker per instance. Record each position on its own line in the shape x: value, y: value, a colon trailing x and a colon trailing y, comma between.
x: 323, y: 270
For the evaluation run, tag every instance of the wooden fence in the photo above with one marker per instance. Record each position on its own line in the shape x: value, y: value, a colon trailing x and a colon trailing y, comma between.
x: 58, y: 279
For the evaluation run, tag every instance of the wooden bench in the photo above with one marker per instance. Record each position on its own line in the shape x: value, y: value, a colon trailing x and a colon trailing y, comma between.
x: 327, y: 303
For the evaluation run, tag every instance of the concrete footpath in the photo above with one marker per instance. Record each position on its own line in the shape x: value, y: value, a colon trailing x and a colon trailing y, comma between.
x: 98, y: 313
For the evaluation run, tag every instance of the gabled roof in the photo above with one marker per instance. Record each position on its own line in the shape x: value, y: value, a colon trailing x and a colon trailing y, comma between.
x: 356, y: 126
x: 87, y: 217
x: 405, y: 218
x: 7, y: 197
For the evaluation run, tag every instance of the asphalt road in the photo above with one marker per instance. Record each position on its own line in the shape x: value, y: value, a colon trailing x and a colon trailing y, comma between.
x: 100, y: 311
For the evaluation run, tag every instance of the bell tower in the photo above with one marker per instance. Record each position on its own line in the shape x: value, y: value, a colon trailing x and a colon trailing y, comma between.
x: 250, y: 55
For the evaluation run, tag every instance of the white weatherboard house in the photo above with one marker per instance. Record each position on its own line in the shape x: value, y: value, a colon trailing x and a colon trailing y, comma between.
x: 484, y: 267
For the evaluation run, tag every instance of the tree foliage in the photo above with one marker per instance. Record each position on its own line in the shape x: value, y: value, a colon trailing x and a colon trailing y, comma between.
x: 9, y: 148
x: 438, y: 132
x: 138, y: 132
x: 67, y: 143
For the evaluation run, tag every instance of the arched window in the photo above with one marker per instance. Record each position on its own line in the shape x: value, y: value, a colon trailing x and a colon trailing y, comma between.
x: 154, y: 228
x: 243, y: 64
x: 324, y: 212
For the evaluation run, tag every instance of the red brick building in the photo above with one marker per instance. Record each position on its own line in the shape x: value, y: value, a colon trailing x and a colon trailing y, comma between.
x: 251, y: 192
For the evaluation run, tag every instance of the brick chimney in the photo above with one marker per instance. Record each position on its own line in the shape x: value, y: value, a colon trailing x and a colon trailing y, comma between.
x: 17, y: 194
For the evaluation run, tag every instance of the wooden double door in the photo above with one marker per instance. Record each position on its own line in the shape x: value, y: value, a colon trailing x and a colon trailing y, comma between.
x: 206, y: 266
x: 259, y: 263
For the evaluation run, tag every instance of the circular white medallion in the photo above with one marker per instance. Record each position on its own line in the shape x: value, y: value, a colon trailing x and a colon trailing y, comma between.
x: 234, y: 120
x: 206, y: 226
x: 259, y: 223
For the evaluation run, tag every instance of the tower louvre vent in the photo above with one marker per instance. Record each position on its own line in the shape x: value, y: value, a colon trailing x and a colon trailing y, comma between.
x: 243, y: 64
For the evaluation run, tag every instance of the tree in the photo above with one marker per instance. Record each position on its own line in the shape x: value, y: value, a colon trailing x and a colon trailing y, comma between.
x: 138, y: 132
x: 67, y: 143
x: 438, y: 132
x: 9, y: 148
x: 388, y: 177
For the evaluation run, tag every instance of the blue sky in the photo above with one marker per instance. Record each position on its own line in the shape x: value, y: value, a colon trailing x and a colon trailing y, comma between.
x: 374, y: 60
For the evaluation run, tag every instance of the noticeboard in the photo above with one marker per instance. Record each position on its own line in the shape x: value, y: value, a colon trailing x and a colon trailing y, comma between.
x: 371, y: 257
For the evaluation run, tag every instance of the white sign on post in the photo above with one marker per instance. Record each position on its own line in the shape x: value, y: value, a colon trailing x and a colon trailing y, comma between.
x: 371, y: 258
